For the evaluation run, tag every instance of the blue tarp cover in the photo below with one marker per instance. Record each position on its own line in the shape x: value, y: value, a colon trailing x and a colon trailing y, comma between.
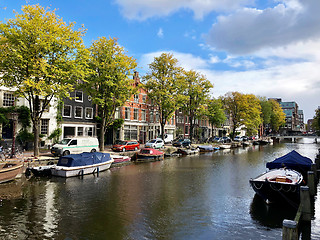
x: 83, y: 159
x: 292, y: 160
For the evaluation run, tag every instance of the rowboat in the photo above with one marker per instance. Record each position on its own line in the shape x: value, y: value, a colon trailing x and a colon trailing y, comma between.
x: 149, y: 154
x: 9, y: 171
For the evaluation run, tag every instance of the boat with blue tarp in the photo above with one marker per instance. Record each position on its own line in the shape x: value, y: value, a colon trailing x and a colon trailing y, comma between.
x: 281, y: 183
x: 81, y: 164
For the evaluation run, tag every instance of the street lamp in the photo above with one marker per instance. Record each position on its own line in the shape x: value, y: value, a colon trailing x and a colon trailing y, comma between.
x: 14, y: 117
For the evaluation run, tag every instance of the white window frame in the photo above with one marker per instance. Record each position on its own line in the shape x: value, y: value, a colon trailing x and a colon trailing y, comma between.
x: 136, y: 98
x: 75, y: 110
x: 70, y: 111
x: 46, y: 126
x: 143, y: 115
x: 90, y: 117
x: 125, y: 113
x: 9, y: 101
x: 136, y: 114
x: 75, y: 96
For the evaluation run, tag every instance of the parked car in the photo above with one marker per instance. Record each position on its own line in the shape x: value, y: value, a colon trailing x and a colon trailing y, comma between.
x: 237, y: 139
x: 75, y: 145
x: 182, y: 143
x: 244, y: 138
x: 123, y: 145
x: 225, y: 140
x: 155, y: 143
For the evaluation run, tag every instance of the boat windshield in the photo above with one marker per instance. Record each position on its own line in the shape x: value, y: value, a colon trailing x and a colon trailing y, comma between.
x: 65, y: 141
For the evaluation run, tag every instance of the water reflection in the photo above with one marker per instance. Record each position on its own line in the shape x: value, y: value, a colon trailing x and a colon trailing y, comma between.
x: 207, y: 196
x: 271, y: 215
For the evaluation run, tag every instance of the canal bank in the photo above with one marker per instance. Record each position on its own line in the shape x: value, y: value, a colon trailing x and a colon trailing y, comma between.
x: 205, y: 196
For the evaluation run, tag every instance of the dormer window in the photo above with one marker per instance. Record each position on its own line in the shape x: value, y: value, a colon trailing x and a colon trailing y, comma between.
x: 78, y: 96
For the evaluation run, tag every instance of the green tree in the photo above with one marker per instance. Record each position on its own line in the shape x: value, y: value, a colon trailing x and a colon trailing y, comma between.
x: 215, y: 113
x: 165, y: 87
x: 266, y: 110
x: 316, y: 122
x: 278, y: 117
x: 244, y: 111
x: 197, y: 89
x: 42, y: 57
x: 109, y: 84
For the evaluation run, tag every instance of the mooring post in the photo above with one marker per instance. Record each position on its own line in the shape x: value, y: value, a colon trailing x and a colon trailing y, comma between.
x: 316, y: 178
x: 289, y: 230
x: 305, y: 203
x: 311, y: 183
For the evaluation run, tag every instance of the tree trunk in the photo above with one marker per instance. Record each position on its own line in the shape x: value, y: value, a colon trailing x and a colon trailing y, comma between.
x: 36, y: 137
x: 162, y: 129
x: 103, y: 122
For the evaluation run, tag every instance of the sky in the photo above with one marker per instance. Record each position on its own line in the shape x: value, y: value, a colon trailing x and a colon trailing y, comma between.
x: 269, y: 48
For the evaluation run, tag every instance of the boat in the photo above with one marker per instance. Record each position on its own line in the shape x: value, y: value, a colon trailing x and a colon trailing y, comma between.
x: 149, y: 154
x: 120, y: 160
x: 188, y: 151
x: 225, y: 146
x: 278, y: 186
x: 9, y: 171
x: 41, y: 171
x: 292, y: 160
x: 81, y: 164
x: 283, y: 180
x: 206, y: 148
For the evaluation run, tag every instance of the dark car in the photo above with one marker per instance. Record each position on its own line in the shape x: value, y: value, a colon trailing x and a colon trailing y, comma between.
x: 182, y: 143
x: 123, y: 145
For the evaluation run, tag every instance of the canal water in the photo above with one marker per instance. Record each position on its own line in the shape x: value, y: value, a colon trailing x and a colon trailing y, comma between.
x: 206, y: 196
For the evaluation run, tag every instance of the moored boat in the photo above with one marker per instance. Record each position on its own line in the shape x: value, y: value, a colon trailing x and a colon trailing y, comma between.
x: 188, y: 151
x: 206, y: 148
x: 278, y: 185
x: 149, y: 154
x: 81, y: 164
x: 9, y: 171
x: 41, y: 171
x: 283, y: 180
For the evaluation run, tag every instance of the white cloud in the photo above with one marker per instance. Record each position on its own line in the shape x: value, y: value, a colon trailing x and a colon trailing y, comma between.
x: 160, y: 33
x: 144, y: 9
x: 249, y: 30
x: 293, y: 81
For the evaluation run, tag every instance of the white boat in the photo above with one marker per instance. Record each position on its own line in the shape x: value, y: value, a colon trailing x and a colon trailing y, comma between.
x: 81, y: 164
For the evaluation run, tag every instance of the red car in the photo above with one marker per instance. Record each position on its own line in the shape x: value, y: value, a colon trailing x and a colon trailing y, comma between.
x: 123, y: 145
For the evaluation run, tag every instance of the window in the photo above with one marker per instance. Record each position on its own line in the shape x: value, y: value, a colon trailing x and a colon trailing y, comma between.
x: 130, y: 132
x: 80, y: 131
x: 66, y: 111
x: 8, y: 99
x: 127, y: 113
x: 79, y: 96
x: 136, y: 98
x: 151, y: 116
x: 144, y: 98
x: 89, y: 131
x: 44, y: 128
x: 89, y: 113
x: 78, y: 112
x: 73, y: 142
x: 117, y: 114
x: 143, y: 115
x: 157, y: 117
x: 136, y: 114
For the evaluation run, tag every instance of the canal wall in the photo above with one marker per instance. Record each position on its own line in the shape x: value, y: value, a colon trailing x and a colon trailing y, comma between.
x: 291, y: 229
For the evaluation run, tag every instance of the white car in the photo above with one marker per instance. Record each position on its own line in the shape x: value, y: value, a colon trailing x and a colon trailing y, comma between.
x: 155, y: 143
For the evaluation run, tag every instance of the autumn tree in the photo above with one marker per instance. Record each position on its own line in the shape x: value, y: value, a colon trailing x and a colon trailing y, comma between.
x: 165, y: 87
x: 215, y: 113
x: 244, y: 111
x: 278, y: 117
x: 110, y: 84
x: 197, y: 89
x: 316, y: 121
x: 41, y: 57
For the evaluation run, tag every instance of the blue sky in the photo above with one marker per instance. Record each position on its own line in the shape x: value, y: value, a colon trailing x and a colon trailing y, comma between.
x: 266, y: 47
